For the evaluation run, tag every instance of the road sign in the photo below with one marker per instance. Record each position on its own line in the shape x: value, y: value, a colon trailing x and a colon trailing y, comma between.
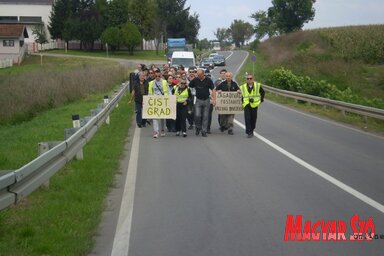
x: 253, y: 58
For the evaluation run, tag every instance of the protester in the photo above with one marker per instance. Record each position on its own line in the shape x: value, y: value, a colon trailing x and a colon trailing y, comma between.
x: 219, y: 81
x: 190, y: 115
x: 208, y: 75
x: 202, y: 85
x: 158, y: 87
x: 253, y: 95
x: 183, y: 98
x: 140, y: 88
x: 170, y: 123
x: 226, y: 120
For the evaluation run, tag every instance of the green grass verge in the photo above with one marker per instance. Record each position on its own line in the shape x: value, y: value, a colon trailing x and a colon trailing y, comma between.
x: 62, y: 220
x: 261, y: 72
x: 141, y: 55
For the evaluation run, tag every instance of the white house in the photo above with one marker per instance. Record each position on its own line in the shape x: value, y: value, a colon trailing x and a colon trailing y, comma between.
x: 26, y: 12
x: 12, y: 44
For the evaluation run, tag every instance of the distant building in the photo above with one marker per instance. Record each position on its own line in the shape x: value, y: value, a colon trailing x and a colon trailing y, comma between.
x: 12, y: 42
x: 26, y: 12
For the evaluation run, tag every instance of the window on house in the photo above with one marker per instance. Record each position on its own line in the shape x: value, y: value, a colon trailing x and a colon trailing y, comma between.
x: 30, y: 19
x: 8, y: 43
x: 4, y: 19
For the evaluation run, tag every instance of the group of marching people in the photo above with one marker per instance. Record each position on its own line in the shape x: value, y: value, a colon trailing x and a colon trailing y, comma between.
x: 195, y: 96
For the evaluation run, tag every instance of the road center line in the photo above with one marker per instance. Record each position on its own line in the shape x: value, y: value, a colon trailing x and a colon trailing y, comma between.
x: 320, y: 173
x: 123, y: 229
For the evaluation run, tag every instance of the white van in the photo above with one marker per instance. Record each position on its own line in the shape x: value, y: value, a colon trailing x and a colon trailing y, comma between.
x: 187, y: 59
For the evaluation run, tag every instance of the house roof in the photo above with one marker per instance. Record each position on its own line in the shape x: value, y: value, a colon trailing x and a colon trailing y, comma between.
x: 36, y: 2
x: 13, y: 31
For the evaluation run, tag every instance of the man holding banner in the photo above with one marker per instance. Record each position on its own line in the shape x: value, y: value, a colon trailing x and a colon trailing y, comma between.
x: 253, y: 95
x: 226, y: 120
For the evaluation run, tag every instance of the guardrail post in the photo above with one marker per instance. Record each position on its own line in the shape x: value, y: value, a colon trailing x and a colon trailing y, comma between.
x: 76, y: 124
x: 106, y: 101
x: 117, y: 103
x: 365, y: 122
x: 45, y: 147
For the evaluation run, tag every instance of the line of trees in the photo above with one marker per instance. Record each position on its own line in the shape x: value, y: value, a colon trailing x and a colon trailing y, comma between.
x: 283, y: 17
x: 122, y: 22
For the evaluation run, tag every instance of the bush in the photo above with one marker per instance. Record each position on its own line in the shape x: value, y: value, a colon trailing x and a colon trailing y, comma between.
x: 285, y: 79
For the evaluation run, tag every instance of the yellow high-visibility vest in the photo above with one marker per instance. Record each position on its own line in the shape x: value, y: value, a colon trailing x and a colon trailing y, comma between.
x: 255, y: 95
x: 152, y: 83
x: 183, y: 96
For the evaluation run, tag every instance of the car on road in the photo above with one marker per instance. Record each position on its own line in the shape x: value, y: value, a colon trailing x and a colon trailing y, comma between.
x: 219, y: 60
x: 212, y: 55
x: 208, y: 63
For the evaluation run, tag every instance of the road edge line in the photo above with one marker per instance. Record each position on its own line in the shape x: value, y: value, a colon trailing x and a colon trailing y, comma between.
x: 123, y: 228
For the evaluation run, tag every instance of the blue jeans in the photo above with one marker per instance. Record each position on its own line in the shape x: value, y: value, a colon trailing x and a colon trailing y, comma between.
x: 138, y: 110
x: 202, y: 114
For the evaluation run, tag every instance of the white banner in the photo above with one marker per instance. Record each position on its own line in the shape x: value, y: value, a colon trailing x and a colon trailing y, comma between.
x: 228, y: 103
x: 159, y: 107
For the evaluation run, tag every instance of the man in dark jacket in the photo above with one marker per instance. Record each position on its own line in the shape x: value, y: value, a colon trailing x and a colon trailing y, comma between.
x: 226, y: 121
x: 203, y: 86
x: 140, y: 88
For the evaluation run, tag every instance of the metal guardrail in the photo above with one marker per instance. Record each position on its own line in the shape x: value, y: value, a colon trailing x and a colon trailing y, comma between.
x: 343, y: 106
x: 16, y: 185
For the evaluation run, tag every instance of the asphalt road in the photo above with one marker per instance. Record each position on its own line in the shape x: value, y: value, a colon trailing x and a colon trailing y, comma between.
x: 230, y: 195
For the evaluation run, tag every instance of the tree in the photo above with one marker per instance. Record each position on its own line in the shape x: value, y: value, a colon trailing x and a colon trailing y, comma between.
x: 265, y: 24
x: 40, y: 33
x: 70, y: 30
x: 241, y: 31
x: 203, y: 44
x: 131, y: 36
x: 113, y: 37
x: 60, y: 13
x: 117, y: 13
x: 90, y: 27
x: 142, y: 13
x: 177, y: 20
x: 290, y: 15
x: 192, y: 27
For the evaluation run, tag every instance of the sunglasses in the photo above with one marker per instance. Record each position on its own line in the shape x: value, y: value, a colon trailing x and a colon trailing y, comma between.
x: 157, y: 76
x: 249, y: 78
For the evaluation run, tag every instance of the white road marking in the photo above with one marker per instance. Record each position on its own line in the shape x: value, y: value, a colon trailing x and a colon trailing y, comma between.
x: 241, y: 65
x: 123, y: 229
x: 320, y: 173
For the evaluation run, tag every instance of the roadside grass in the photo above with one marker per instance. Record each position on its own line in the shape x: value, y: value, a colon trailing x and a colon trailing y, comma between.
x: 142, y: 55
x: 63, y: 219
x: 372, y: 125
x: 261, y: 71
x: 345, y: 56
x: 19, y: 142
x: 31, y: 88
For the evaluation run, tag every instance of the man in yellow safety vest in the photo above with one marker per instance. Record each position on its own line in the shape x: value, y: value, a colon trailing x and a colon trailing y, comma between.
x: 253, y: 95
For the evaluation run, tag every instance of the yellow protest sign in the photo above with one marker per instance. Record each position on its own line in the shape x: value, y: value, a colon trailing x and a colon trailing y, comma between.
x: 159, y: 107
x: 228, y: 103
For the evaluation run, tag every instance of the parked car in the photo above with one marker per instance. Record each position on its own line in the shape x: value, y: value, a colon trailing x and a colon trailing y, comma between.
x: 208, y: 63
x: 219, y: 60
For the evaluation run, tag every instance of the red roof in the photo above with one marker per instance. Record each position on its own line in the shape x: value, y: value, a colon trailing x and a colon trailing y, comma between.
x: 13, y: 31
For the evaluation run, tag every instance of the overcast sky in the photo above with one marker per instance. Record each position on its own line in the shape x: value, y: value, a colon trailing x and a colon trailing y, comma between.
x: 329, y: 13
